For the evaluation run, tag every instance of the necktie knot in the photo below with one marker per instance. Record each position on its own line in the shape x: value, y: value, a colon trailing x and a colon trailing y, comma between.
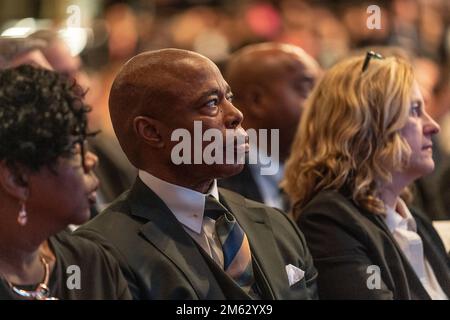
x: 213, y: 208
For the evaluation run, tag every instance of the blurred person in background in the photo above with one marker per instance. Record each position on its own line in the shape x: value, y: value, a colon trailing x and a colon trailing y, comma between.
x: 17, y: 51
x: 405, y: 16
x: 442, y: 104
x: 364, y: 137
x: 58, y: 54
x: 46, y: 183
x: 270, y: 83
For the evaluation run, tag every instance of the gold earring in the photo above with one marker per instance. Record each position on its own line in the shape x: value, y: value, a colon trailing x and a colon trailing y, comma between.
x: 22, y: 218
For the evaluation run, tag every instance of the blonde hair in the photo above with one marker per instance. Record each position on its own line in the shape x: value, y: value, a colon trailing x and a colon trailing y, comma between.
x: 349, y: 133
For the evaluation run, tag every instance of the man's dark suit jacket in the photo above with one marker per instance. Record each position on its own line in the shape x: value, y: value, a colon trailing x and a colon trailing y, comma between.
x: 345, y: 240
x: 161, y: 261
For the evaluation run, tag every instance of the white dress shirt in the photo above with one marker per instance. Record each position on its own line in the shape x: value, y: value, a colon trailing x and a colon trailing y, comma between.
x: 188, y: 206
x: 403, y: 227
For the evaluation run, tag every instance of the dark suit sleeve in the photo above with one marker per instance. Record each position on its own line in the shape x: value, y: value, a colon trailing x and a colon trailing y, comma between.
x: 341, y: 257
x: 123, y: 292
x: 126, y: 271
x: 311, y: 271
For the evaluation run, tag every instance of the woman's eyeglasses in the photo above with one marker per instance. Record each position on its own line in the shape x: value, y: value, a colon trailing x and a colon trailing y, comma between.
x: 83, y: 154
x: 369, y: 56
x: 79, y: 147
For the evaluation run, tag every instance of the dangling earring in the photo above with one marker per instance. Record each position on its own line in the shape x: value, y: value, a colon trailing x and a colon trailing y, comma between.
x: 22, y: 218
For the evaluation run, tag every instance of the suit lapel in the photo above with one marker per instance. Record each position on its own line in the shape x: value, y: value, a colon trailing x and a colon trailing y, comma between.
x: 438, y: 264
x: 416, y: 286
x: 255, y: 222
x: 164, y: 231
x: 229, y: 287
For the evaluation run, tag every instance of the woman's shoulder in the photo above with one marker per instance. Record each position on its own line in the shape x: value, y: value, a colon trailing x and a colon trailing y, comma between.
x: 334, y: 226
x: 335, y: 210
x: 330, y: 202
x: 98, y: 272
x: 75, y: 247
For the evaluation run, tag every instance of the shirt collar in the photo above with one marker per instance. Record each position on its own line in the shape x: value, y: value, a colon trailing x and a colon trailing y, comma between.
x: 395, y: 220
x: 186, y: 204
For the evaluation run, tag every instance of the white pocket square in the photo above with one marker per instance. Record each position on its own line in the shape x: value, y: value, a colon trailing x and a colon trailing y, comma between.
x: 294, y: 274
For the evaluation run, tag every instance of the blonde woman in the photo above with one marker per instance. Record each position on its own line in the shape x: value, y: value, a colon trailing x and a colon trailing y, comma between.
x: 364, y: 137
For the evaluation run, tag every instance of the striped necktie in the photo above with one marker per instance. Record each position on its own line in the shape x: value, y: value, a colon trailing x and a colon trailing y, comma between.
x: 235, y: 246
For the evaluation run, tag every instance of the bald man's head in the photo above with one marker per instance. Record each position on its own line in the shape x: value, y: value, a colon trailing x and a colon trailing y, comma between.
x: 260, y: 64
x: 270, y: 82
x: 159, y: 93
x: 149, y: 84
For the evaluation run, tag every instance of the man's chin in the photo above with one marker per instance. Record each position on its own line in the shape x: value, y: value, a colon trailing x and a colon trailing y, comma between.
x: 228, y: 170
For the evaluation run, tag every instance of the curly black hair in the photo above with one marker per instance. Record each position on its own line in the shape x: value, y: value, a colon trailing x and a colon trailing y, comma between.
x: 42, y: 115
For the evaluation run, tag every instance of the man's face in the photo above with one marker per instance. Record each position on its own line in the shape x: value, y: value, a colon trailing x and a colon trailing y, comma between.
x: 202, y: 95
x: 285, y: 96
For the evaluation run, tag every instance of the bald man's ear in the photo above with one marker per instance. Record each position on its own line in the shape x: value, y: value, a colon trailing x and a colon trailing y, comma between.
x: 149, y: 130
x: 13, y: 182
x: 255, y: 99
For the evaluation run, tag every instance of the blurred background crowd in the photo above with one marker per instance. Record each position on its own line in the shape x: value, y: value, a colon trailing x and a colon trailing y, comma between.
x: 101, y: 35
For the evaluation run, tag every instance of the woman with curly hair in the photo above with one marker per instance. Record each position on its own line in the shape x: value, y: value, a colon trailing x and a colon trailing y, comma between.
x: 47, y: 183
x: 364, y: 137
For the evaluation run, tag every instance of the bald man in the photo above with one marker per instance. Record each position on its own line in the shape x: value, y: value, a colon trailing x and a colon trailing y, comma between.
x: 175, y: 234
x: 270, y: 82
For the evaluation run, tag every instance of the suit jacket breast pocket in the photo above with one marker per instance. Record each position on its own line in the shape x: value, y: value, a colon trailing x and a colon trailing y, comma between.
x: 296, y: 278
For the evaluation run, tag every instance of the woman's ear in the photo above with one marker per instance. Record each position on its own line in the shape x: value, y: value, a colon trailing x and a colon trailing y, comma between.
x: 14, y: 181
x: 148, y: 129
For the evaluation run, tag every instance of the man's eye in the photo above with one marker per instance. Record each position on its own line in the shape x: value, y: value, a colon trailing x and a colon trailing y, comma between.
x: 212, y: 103
x: 304, y: 84
x: 230, y: 97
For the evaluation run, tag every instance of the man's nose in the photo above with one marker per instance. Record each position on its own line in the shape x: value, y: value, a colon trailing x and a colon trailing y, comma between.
x: 232, y: 116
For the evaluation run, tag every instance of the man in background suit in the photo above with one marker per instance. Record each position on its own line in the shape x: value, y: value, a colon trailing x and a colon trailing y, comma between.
x: 270, y: 82
x: 167, y: 230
